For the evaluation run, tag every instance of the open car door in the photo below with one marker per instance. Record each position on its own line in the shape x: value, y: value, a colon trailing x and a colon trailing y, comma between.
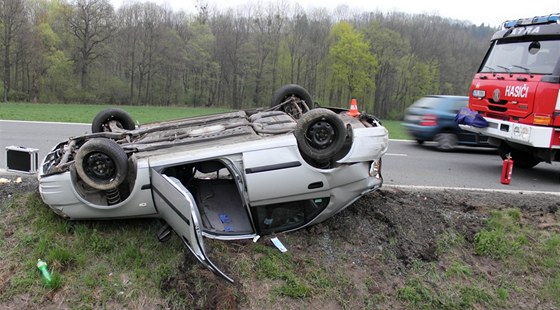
x: 178, y: 208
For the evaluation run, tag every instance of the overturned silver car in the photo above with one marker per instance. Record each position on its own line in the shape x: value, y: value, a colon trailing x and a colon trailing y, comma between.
x: 228, y: 176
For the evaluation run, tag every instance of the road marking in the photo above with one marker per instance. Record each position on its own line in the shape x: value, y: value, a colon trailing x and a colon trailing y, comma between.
x: 471, y: 189
x: 395, y: 154
x: 41, y: 122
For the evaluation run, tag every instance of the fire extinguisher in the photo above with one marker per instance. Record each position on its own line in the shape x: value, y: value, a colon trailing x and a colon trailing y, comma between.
x: 507, y: 167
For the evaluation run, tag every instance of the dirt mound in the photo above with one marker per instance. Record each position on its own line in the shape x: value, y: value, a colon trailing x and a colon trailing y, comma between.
x: 376, y: 240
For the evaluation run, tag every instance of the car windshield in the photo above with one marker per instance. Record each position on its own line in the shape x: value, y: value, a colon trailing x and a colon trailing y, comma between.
x: 539, y: 57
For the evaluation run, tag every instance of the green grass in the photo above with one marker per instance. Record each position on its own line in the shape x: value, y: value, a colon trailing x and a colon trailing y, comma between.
x: 105, y: 264
x: 84, y: 113
x: 95, y: 262
x: 527, y: 266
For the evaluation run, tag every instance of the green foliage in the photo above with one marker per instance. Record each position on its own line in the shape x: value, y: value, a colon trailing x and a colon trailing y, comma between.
x: 149, y: 55
x: 351, y: 63
x: 552, y: 287
x: 459, y: 270
x: 297, y: 282
x: 503, y: 235
x: 415, y: 293
x: 503, y: 294
x: 448, y: 241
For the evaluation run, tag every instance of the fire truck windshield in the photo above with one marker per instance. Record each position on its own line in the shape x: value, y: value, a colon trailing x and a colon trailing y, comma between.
x: 529, y: 57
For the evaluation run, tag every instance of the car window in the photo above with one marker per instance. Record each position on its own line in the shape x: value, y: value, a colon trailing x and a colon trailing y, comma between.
x: 426, y: 103
x: 285, y: 216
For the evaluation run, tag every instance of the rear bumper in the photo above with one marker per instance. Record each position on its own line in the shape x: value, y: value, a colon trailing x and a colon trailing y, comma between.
x: 533, y: 136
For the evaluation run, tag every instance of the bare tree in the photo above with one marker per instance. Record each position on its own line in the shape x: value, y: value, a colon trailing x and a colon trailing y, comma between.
x: 232, y: 53
x: 12, y: 18
x: 266, y: 27
x: 91, y: 23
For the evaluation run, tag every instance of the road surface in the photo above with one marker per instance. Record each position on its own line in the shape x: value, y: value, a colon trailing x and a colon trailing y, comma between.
x: 405, y: 164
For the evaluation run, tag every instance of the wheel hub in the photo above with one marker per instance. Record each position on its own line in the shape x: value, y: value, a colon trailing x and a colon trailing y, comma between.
x: 99, y: 166
x: 321, y: 134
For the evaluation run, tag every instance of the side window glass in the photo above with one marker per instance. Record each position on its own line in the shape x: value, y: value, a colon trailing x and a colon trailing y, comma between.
x: 285, y: 216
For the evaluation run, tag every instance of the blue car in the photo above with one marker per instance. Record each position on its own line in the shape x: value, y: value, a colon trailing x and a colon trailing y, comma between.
x: 432, y: 118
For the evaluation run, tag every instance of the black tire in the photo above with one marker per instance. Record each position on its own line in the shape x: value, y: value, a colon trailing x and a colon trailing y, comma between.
x: 320, y: 134
x: 101, y: 164
x: 101, y: 121
x: 521, y: 159
x: 446, y: 141
x: 420, y: 142
x: 287, y: 91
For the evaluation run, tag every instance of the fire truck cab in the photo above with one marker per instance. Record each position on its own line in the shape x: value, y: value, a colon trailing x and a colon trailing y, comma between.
x: 517, y: 90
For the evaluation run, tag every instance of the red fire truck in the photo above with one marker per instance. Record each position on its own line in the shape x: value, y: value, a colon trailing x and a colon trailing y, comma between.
x: 517, y: 91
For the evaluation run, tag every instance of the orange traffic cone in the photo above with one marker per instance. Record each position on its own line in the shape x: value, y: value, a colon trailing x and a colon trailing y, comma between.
x: 353, y: 108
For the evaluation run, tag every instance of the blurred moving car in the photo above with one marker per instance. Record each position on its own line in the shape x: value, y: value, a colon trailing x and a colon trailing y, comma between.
x: 432, y: 118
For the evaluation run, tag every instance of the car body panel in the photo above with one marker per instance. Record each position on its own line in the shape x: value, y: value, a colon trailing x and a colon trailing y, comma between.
x: 66, y: 197
x: 265, y: 169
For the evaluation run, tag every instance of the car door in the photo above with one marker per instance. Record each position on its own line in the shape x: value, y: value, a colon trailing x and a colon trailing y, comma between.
x: 277, y: 173
x: 177, y: 207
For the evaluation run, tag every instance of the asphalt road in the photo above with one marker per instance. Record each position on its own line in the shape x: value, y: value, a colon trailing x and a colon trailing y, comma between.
x: 405, y: 164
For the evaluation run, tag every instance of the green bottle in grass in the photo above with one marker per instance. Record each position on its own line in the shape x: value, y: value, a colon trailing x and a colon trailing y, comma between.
x: 42, y: 266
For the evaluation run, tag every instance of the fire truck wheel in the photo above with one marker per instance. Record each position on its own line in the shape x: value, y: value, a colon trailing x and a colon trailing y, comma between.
x: 446, y: 141
x: 102, y: 164
x: 521, y: 159
x: 292, y: 99
x: 117, y: 117
x: 320, y: 134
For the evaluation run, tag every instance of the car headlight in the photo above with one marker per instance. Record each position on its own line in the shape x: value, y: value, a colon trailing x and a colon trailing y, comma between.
x: 375, y: 169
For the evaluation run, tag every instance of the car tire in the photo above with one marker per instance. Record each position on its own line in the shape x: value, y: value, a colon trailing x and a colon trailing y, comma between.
x: 101, y: 163
x: 320, y: 134
x: 287, y: 91
x: 521, y: 159
x: 446, y: 141
x: 101, y: 121
x: 420, y: 142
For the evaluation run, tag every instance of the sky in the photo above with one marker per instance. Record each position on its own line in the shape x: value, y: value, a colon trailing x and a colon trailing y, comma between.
x: 489, y: 12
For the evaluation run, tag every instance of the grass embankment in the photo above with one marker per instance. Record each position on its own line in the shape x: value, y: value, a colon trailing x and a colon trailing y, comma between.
x: 84, y: 113
x: 119, y: 264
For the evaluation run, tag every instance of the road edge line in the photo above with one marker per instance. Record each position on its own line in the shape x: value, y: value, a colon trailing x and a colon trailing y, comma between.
x: 471, y: 189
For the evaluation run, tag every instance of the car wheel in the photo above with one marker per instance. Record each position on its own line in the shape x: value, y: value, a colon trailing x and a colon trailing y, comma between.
x: 521, y: 159
x: 420, y: 142
x: 446, y: 141
x: 103, y: 119
x: 283, y: 98
x: 101, y: 164
x: 320, y: 134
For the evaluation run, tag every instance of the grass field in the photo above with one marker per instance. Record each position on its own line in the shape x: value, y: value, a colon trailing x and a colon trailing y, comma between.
x: 83, y: 113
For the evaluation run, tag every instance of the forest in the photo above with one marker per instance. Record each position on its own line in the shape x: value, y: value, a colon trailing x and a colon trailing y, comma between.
x: 142, y: 53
